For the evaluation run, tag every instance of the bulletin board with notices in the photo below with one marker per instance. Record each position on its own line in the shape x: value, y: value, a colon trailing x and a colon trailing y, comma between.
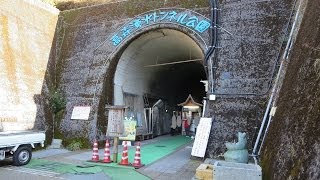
x: 115, y: 121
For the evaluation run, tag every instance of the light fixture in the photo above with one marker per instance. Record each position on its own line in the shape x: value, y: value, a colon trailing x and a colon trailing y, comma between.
x: 191, y: 107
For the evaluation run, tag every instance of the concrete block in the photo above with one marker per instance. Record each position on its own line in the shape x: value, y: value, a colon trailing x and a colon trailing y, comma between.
x: 204, y: 171
x: 236, y: 171
x: 56, y: 144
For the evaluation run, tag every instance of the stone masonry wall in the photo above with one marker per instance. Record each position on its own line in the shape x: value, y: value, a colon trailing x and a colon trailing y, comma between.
x: 250, y: 37
x: 86, y: 78
x: 249, y: 44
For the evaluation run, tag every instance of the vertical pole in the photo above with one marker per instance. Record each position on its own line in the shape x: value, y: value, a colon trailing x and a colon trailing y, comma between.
x: 115, y: 149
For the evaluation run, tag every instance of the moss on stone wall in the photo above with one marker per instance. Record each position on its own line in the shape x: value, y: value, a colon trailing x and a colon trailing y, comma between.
x: 131, y: 8
x: 57, y: 120
x: 131, y: 4
x: 292, y: 145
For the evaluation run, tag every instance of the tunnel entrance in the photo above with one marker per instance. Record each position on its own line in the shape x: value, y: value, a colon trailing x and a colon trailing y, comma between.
x: 157, y: 71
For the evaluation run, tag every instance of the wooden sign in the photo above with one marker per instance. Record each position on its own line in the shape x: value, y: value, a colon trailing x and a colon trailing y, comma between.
x: 202, y: 136
x: 115, y: 121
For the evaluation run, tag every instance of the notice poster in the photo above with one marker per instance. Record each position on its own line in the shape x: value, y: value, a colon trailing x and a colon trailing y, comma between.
x: 202, y: 136
x: 80, y: 112
x: 115, y: 122
x: 129, y: 129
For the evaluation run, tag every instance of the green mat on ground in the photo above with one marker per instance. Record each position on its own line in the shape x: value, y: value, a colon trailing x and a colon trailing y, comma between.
x: 155, y: 151
x: 62, y: 167
x: 152, y: 152
x: 149, y: 154
x: 115, y: 173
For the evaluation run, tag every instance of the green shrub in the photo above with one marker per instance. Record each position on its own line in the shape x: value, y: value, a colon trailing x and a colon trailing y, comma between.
x: 57, y: 101
x: 75, y: 146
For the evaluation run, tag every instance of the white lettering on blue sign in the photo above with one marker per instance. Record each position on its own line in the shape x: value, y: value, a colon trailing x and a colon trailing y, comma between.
x: 182, y: 18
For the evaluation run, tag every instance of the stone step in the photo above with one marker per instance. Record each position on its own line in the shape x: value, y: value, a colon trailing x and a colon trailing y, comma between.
x: 56, y: 144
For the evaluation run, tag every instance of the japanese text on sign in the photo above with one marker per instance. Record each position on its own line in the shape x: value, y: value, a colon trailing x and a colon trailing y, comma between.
x: 115, y: 122
x: 201, y: 140
x: 197, y: 23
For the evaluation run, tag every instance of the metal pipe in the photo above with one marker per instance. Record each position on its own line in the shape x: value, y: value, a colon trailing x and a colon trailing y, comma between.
x: 267, y: 110
x: 288, y: 47
x: 286, y: 54
x: 215, y: 18
x: 204, y: 107
x: 211, y: 77
x: 274, y: 89
x: 263, y: 121
x: 264, y: 135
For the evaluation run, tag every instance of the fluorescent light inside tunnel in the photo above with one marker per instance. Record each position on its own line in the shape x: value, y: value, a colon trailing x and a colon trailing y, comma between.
x: 164, y: 64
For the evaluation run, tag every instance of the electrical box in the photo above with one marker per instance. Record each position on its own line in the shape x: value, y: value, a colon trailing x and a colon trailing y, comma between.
x: 212, y: 97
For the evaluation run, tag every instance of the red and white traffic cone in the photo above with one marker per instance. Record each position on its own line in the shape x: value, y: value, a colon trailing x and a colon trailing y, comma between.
x: 137, y: 157
x: 95, y: 154
x: 106, y: 158
x: 124, y: 159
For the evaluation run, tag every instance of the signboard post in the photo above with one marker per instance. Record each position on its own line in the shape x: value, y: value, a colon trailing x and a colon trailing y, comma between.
x: 202, y: 136
x: 115, y: 126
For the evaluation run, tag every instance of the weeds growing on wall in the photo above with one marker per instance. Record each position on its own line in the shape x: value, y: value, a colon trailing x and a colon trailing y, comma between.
x: 58, y: 105
x: 57, y: 101
x: 75, y: 144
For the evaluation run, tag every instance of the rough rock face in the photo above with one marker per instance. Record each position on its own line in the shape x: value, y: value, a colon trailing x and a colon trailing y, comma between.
x: 292, y: 148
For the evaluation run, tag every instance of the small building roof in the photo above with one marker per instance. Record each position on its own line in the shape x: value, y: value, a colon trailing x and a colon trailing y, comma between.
x: 189, y: 102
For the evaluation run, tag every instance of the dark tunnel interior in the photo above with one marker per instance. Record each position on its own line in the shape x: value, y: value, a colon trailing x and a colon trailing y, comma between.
x: 165, y: 64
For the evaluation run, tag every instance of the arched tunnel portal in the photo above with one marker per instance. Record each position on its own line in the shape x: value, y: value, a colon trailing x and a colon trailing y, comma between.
x: 161, y: 64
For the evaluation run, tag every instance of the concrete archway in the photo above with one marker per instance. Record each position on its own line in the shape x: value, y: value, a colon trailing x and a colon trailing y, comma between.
x: 162, y: 64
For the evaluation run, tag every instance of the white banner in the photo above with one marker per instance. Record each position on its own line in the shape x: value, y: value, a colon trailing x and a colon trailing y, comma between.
x: 202, y: 136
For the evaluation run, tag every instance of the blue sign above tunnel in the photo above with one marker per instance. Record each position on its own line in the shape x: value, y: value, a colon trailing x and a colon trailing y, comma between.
x: 187, y: 18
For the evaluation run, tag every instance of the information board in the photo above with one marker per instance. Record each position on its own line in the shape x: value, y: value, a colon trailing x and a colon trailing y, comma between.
x: 129, y: 129
x: 80, y: 112
x: 202, y: 136
x: 115, y: 122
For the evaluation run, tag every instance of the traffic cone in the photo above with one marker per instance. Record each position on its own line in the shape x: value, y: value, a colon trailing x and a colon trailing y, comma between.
x: 137, y: 157
x: 95, y: 154
x: 124, y: 159
x: 106, y: 158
